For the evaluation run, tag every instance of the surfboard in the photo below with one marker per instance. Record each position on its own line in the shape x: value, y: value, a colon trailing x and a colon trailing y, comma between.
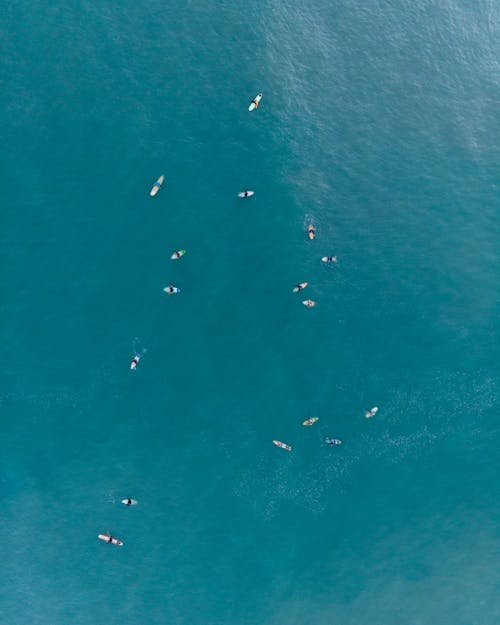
x: 310, y: 421
x: 156, y: 187
x: 129, y: 502
x: 175, y: 290
x: 178, y: 254
x: 282, y: 445
x: 300, y: 287
x: 311, y: 232
x: 248, y: 193
x: 309, y: 303
x: 114, y: 541
x: 255, y: 102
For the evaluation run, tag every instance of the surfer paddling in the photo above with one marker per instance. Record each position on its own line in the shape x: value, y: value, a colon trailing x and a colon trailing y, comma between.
x: 135, y: 362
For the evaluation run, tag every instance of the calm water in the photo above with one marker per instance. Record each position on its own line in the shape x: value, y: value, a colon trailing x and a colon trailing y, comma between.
x: 380, y: 124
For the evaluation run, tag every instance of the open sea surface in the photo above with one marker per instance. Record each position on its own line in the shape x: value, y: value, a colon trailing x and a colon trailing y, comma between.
x: 380, y: 124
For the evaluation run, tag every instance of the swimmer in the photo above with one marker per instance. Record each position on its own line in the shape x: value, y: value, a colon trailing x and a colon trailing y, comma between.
x: 135, y: 362
x: 332, y: 441
x: 371, y: 413
x: 329, y: 259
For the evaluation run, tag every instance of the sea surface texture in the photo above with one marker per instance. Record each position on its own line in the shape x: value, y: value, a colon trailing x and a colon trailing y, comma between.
x: 380, y: 125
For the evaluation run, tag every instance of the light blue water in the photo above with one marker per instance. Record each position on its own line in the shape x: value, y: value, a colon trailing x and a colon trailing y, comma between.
x: 380, y: 124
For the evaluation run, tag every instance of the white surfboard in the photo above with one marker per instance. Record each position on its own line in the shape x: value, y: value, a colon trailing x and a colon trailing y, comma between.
x: 111, y: 540
x: 246, y: 193
x: 156, y: 187
x: 255, y: 102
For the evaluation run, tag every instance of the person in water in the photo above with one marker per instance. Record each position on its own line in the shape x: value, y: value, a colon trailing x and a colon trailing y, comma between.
x: 331, y: 441
x: 331, y: 259
x: 128, y: 502
x: 299, y: 287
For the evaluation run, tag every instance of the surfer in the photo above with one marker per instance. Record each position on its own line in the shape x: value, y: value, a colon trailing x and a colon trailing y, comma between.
x: 255, y: 102
x: 111, y: 540
x: 300, y: 287
x: 371, y: 413
x: 135, y: 362
x: 157, y: 185
x: 171, y: 290
x: 129, y: 502
x: 311, y: 232
x: 332, y: 441
x: 178, y: 254
x: 309, y: 303
x: 246, y: 193
x: 329, y: 259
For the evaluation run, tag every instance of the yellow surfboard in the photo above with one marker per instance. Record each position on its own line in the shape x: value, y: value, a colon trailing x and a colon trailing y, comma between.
x: 310, y: 421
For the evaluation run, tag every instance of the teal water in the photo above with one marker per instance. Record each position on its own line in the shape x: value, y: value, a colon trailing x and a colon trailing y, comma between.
x: 380, y: 124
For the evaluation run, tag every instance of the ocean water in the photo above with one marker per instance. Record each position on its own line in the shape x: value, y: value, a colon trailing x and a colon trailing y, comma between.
x: 380, y: 124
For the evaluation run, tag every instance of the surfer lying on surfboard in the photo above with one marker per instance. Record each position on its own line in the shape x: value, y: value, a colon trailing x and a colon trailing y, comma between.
x: 156, y: 187
x: 282, y: 445
x: 111, y: 540
x: 246, y: 193
x: 310, y: 421
x: 255, y: 102
x: 135, y: 362
x: 300, y: 287
x: 309, y: 303
x: 371, y: 413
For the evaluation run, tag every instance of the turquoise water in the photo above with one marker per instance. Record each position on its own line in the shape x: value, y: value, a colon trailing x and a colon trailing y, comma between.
x: 380, y: 124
